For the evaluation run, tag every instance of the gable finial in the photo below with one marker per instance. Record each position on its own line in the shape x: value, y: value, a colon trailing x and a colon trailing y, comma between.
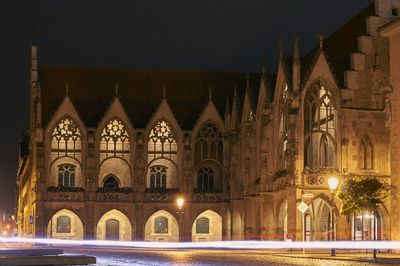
x: 235, y: 90
x: 280, y: 46
x: 263, y: 65
x: 164, y: 91
x: 116, y: 87
x: 66, y: 88
x: 210, y: 93
x: 321, y: 40
x: 247, y: 81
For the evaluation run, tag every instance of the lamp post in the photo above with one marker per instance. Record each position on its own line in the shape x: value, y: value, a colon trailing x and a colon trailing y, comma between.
x: 179, y: 202
x: 333, y: 183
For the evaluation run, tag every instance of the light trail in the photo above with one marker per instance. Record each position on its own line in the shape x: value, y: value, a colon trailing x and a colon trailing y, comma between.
x: 214, y: 245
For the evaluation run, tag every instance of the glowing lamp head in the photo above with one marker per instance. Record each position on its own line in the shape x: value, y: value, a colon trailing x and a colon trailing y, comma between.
x: 333, y: 182
x: 180, y: 202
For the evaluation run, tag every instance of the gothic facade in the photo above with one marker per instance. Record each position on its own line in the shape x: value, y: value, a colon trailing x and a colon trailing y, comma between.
x: 109, y: 151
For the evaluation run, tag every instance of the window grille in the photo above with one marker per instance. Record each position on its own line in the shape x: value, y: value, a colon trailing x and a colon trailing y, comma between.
x: 161, y: 225
x: 63, y: 224
x: 202, y: 225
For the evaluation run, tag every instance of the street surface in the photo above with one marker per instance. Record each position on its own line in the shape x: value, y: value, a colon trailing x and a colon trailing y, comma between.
x: 129, y: 256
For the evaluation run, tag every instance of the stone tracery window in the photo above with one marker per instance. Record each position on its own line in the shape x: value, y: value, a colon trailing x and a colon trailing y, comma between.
x: 66, y: 140
x: 66, y: 175
x: 366, y: 154
x: 205, y: 179
x: 249, y: 126
x: 115, y: 141
x: 158, y: 177
x: 320, y: 118
x: 208, y: 144
x: 162, y: 142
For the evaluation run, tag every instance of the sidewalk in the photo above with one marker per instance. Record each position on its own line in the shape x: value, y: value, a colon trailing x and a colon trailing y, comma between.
x: 345, y: 255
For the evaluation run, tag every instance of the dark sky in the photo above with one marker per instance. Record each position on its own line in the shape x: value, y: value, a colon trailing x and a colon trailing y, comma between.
x: 199, y: 35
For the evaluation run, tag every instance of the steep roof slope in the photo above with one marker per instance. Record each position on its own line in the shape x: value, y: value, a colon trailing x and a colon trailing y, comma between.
x: 140, y: 91
x: 339, y: 45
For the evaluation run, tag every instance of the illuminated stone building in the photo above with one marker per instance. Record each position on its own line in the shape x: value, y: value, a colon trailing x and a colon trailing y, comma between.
x: 110, y: 150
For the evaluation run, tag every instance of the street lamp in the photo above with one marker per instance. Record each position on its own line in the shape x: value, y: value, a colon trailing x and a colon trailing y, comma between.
x: 333, y: 183
x: 180, y: 201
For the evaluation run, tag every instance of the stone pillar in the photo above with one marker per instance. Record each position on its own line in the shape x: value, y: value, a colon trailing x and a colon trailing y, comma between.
x: 139, y: 222
x: 90, y: 222
x: 40, y: 221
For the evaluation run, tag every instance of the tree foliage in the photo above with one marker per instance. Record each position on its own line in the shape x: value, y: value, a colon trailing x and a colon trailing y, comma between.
x: 362, y: 194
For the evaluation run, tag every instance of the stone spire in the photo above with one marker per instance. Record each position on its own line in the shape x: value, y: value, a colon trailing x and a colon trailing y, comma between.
x: 116, y: 88
x: 296, y: 67
x: 280, y: 46
x: 66, y: 88
x: 321, y: 41
x: 33, y: 88
x: 164, y: 92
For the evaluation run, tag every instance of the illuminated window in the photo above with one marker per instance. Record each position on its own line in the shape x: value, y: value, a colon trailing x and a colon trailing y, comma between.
x: 63, y: 224
x: 114, y: 141
x: 161, y: 225
x: 66, y: 175
x: 205, y: 179
x: 66, y: 140
x: 208, y: 144
x: 320, y: 117
x: 202, y: 225
x: 158, y: 177
x: 283, y: 134
x: 366, y: 154
x: 162, y: 143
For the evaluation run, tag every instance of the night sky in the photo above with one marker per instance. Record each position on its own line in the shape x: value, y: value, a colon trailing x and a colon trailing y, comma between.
x: 230, y: 35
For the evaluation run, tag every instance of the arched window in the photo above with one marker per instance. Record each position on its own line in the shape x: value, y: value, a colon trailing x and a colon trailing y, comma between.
x: 158, y: 177
x: 320, y: 117
x: 202, y: 225
x: 66, y: 140
x: 366, y: 154
x: 161, y: 225
x: 110, y: 183
x: 205, y: 179
x: 66, y: 175
x: 208, y: 144
x: 63, y: 224
x: 284, y: 105
x: 162, y: 143
x: 114, y: 141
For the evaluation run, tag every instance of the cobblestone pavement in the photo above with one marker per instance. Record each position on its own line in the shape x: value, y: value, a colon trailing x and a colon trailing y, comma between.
x: 125, y: 257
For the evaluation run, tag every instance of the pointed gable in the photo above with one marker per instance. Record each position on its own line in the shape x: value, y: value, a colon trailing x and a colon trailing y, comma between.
x: 92, y: 89
x: 116, y: 110
x: 65, y: 108
x: 209, y: 113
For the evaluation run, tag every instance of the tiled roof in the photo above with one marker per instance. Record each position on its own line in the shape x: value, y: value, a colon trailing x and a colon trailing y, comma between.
x: 140, y: 91
x: 339, y: 46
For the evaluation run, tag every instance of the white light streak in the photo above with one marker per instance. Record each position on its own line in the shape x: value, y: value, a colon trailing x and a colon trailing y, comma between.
x: 213, y: 245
